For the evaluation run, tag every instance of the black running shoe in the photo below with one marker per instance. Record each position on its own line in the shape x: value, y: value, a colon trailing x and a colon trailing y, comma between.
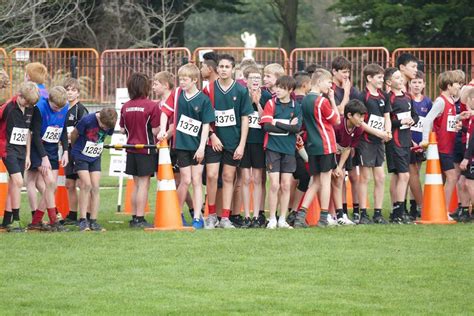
x: 57, y: 227
x: 69, y: 222
x: 137, y: 223
x: 464, y: 217
x: 300, y: 220
x: 236, y: 220
x: 41, y: 227
x: 246, y: 223
x: 291, y: 218
x: 365, y: 220
x: 254, y: 223
x: 378, y: 219
x: 262, y: 220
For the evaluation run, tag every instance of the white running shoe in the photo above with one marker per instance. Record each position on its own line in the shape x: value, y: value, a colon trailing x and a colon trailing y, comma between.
x: 225, y: 223
x: 450, y: 218
x: 211, y: 221
x: 332, y: 221
x: 284, y: 224
x: 272, y: 223
x: 344, y: 220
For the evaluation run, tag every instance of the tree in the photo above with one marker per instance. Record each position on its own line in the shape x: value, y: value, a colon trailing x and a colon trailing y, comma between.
x: 286, y: 12
x: 404, y: 23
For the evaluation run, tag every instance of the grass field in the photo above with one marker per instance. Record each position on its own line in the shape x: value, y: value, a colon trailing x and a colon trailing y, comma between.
x: 344, y: 270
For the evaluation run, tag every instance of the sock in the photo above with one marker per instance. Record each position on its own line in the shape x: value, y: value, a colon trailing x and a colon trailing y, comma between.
x: 191, y: 211
x: 140, y: 218
x: 412, y: 206
x: 261, y: 212
x: 344, y: 208
x: 363, y: 212
x: 52, y: 215
x: 323, y: 215
x: 356, y: 208
x: 377, y: 212
x: 225, y: 212
x: 88, y: 216
x: 37, y: 217
x: 7, y: 219
x: 72, y: 215
x: 403, y: 206
x: 81, y: 220
x: 16, y: 214
x: 212, y: 209
x: 397, y: 209
x: 340, y: 212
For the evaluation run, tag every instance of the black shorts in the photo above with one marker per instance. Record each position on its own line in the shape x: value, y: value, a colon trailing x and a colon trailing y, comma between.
x: 81, y: 165
x: 69, y: 170
x: 14, y: 164
x: 447, y: 161
x: 301, y: 174
x: 371, y: 155
x: 459, y: 150
x: 278, y: 162
x: 398, y: 158
x: 254, y: 157
x: 353, y: 161
x: 224, y: 157
x: 37, y: 163
x: 469, y: 173
x: 321, y: 163
x: 185, y: 158
x: 141, y: 165
x: 417, y: 157
x: 174, y: 160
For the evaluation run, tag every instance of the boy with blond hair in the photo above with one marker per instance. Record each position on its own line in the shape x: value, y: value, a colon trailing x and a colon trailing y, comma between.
x: 271, y: 73
x: 15, y: 144
x: 193, y: 112
x: 48, y: 130
x: 320, y: 114
x: 87, y: 139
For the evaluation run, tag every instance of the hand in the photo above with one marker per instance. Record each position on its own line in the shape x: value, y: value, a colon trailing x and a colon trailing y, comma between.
x: 216, y: 143
x: 407, y: 121
x: 27, y: 163
x: 458, y: 126
x: 294, y: 121
x: 199, y: 155
x: 385, y: 136
x: 463, y: 164
x: 161, y: 135
x: 64, y: 159
x: 255, y: 96
x: 346, y: 85
x: 331, y: 94
x: 45, y: 165
x: 389, y: 135
x: 424, y: 144
x: 239, y: 152
x: 337, y: 172
x: 465, y: 115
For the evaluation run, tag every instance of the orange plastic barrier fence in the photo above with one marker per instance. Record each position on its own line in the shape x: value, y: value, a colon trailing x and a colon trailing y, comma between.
x: 262, y: 55
x: 61, y: 63
x: 118, y: 64
x: 359, y: 56
x: 434, y: 61
x: 5, y: 93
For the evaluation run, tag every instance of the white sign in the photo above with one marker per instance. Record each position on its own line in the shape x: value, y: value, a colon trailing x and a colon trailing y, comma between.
x: 117, y: 165
x: 121, y: 97
x: 118, y: 139
x: 22, y: 55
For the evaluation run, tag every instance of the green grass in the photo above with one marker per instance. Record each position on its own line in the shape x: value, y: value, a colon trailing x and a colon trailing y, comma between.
x: 345, y: 270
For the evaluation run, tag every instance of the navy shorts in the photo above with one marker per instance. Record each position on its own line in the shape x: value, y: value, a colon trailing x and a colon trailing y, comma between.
x: 447, y: 161
x: 254, y: 157
x: 91, y: 166
x: 225, y: 157
x: 69, y: 170
x: 14, y: 164
x: 321, y: 163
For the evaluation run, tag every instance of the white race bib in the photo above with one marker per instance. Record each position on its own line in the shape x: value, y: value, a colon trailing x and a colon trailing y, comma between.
x: 451, y: 123
x: 377, y: 122
x: 70, y: 129
x: 403, y: 115
x: 418, y: 127
x: 254, y: 120
x: 92, y: 149
x: 225, y: 118
x: 19, y: 136
x: 188, y: 125
x: 284, y: 121
x: 52, y: 134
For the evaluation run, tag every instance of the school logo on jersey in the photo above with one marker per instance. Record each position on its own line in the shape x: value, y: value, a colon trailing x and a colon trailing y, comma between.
x: 71, y: 117
x: 381, y: 103
x: 234, y: 98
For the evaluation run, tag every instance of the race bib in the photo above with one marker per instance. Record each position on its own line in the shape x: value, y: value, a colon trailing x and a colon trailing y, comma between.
x: 418, y: 127
x: 254, y: 120
x: 284, y: 121
x: 92, y: 149
x: 403, y: 115
x: 376, y: 122
x: 225, y: 118
x: 451, y: 123
x: 188, y: 125
x: 70, y: 129
x: 52, y: 134
x: 18, y: 136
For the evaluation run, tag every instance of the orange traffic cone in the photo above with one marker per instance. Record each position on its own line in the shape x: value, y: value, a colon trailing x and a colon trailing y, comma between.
x: 3, y: 187
x: 167, y: 212
x: 434, y: 207
x: 61, y: 197
x: 453, y: 203
x: 129, y: 187
x: 314, y: 210
x: 349, y: 200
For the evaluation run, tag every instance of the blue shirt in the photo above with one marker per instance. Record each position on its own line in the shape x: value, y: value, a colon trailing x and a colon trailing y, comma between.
x: 89, y: 131
x: 422, y: 108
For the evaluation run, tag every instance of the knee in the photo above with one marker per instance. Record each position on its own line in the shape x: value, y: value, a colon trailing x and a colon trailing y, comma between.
x: 212, y: 176
x: 17, y: 182
x: 185, y: 181
x: 85, y: 186
x: 228, y: 177
x: 275, y: 187
x: 94, y: 189
x: 379, y: 178
x: 285, y: 186
x: 246, y: 180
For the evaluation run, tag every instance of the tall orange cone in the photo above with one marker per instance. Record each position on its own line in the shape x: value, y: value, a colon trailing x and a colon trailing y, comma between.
x: 61, y: 197
x: 453, y: 203
x: 129, y: 187
x: 434, y: 206
x: 3, y: 187
x: 167, y: 212
x: 314, y: 210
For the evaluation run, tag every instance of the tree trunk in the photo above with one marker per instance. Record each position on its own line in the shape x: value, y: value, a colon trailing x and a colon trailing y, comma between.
x: 288, y: 13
